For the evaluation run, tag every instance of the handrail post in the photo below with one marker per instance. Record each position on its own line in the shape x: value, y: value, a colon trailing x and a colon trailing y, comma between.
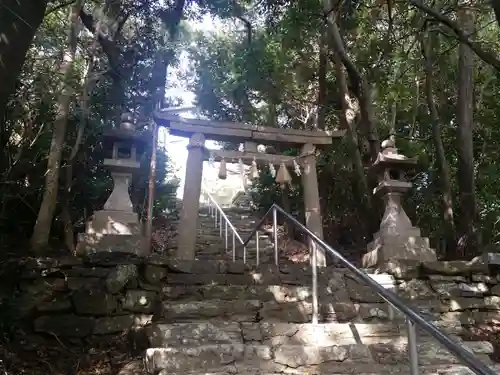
x: 275, y: 235
x: 314, y: 265
x: 234, y: 247
x: 257, y: 255
x: 412, y: 347
x: 225, y: 236
x: 220, y: 218
x: 413, y: 316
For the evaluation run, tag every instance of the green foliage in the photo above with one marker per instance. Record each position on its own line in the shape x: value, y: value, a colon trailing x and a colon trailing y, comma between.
x: 273, y: 81
x: 26, y: 134
x: 266, y: 75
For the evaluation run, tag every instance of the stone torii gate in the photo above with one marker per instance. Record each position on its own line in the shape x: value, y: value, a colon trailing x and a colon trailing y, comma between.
x: 200, y: 130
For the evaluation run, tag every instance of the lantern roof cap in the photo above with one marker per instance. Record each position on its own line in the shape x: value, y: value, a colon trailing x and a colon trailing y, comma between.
x: 117, y: 134
x: 389, y: 157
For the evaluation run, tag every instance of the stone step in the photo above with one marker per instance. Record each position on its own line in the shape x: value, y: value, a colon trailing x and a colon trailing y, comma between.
x: 266, y: 253
x: 237, y: 222
x: 254, y: 278
x: 274, y: 310
x: 235, y: 310
x: 216, y: 232
x: 281, y: 302
x: 240, y: 226
x: 352, y: 300
x: 278, y: 293
x: 216, y: 238
x: 347, y: 370
x: 248, y: 221
x: 229, y: 210
x: 218, y: 252
x: 251, y: 250
x: 273, y: 334
x: 244, y: 223
x: 266, y: 258
x: 234, y: 219
x: 243, y: 233
x: 218, y: 247
x: 239, y: 210
x: 335, y: 359
x: 200, y: 272
x: 228, y: 267
x: 231, y: 216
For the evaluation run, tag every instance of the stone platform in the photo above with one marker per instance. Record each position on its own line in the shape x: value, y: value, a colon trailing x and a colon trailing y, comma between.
x: 229, y: 317
x: 184, y: 290
x: 222, y: 317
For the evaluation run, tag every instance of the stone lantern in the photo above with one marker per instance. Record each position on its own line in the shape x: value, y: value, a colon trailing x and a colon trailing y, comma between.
x: 397, y: 238
x: 116, y: 228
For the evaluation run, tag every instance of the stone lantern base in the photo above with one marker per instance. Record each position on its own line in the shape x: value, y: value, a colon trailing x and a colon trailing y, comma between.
x: 111, y: 231
x: 406, y: 245
x: 114, y: 222
x: 116, y: 228
x: 91, y: 243
x: 397, y: 238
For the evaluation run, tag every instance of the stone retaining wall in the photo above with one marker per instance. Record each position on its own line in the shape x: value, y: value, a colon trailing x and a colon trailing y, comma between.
x: 110, y: 293
x: 468, y: 292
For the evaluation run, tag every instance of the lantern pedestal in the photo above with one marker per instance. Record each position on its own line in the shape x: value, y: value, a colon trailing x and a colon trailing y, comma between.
x: 116, y: 228
x: 397, y: 238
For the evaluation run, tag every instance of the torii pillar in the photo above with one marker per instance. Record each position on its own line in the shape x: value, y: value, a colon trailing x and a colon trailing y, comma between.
x: 186, y: 247
x: 311, y: 200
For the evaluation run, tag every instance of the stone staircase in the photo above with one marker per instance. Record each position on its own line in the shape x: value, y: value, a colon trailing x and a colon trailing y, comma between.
x: 220, y: 317
x: 211, y: 239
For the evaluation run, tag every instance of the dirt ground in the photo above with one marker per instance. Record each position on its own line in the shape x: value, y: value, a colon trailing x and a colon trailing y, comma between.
x: 34, y: 355
x: 485, y: 332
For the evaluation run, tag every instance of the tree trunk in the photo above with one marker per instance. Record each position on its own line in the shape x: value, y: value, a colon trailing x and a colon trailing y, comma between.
x: 467, y: 246
x: 347, y: 122
x: 322, y: 82
x: 41, y: 232
x: 120, y: 69
x: 159, y: 75
x: 361, y: 87
x: 151, y: 189
x: 18, y: 25
x: 88, y: 87
x: 444, y: 178
x: 362, y: 90
x: 90, y: 81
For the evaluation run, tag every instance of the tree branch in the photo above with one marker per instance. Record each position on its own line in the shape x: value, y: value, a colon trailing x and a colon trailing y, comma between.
x: 360, y: 85
x: 248, y: 26
x: 337, y: 45
x: 172, y: 17
x: 110, y: 48
x: 60, y: 6
x: 487, y: 56
x: 495, y: 4
x: 121, y: 24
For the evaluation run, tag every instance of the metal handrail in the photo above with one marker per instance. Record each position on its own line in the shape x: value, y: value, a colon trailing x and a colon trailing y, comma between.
x: 218, y: 213
x: 413, y: 317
